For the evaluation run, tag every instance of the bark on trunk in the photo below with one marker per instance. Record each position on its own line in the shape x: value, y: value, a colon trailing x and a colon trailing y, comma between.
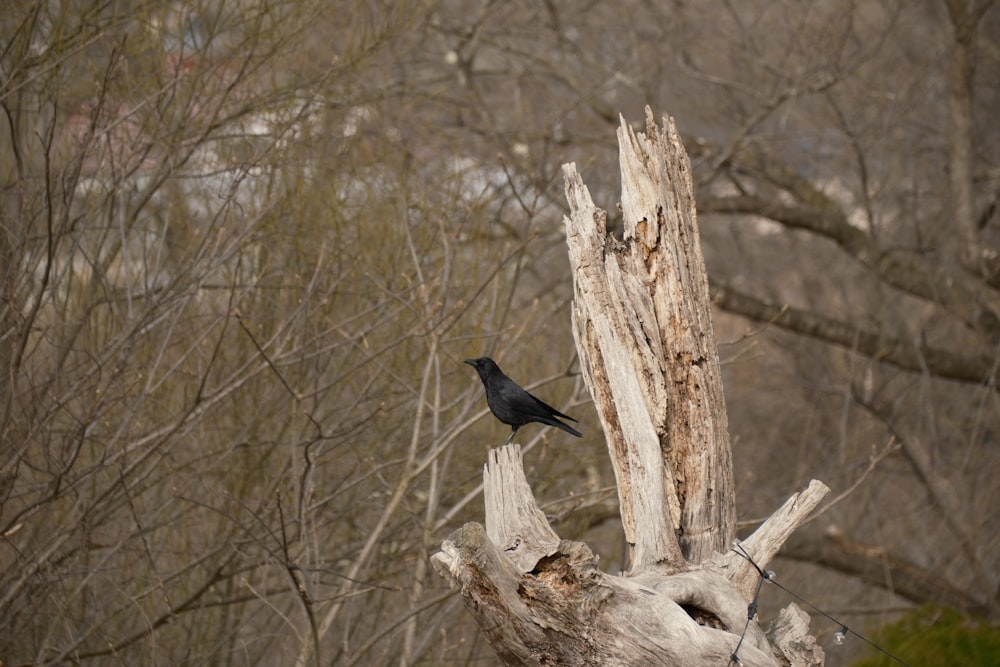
x: 642, y: 322
x: 642, y: 325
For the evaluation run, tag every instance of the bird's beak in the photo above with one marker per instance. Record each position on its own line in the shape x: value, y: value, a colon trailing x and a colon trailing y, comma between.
x: 471, y: 362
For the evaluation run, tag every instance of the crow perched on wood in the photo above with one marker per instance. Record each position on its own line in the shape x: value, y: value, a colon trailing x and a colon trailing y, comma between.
x: 511, y: 404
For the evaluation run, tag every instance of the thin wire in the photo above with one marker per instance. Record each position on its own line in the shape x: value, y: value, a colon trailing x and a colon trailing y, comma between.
x: 751, y: 610
x: 769, y: 576
x: 843, y: 629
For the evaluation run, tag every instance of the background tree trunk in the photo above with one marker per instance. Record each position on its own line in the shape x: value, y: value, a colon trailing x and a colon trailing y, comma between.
x: 648, y: 353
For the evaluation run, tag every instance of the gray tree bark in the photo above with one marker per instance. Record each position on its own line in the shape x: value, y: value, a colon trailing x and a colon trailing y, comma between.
x: 642, y: 323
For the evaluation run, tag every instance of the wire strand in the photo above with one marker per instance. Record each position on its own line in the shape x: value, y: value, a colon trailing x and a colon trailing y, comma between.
x: 767, y: 575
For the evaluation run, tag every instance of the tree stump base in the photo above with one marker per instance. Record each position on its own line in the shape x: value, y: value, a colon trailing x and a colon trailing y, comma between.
x: 542, y: 601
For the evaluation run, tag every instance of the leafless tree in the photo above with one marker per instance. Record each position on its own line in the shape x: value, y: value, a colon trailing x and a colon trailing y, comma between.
x: 244, y: 244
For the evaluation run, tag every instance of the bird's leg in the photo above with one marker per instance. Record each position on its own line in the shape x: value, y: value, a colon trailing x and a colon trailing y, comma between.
x: 510, y: 437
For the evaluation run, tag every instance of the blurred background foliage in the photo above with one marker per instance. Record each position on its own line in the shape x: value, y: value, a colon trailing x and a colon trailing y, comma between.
x: 934, y: 635
x: 245, y: 244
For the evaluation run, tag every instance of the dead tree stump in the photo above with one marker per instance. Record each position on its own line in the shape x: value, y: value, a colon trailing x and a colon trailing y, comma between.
x: 643, y: 330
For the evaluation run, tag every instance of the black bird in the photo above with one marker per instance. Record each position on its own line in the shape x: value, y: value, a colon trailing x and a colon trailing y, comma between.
x: 511, y: 404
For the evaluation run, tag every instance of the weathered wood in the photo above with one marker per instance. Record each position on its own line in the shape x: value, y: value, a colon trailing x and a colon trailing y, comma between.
x: 610, y: 340
x: 642, y: 325
x: 513, y: 521
x: 642, y: 322
x: 565, y: 611
x: 765, y: 542
x: 793, y: 641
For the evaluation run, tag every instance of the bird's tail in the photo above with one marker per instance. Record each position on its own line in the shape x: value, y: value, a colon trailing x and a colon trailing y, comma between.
x: 566, y: 427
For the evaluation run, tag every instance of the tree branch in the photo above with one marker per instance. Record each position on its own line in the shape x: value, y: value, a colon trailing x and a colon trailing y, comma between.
x: 875, y: 565
x: 909, y: 273
x: 915, y: 356
x: 770, y: 536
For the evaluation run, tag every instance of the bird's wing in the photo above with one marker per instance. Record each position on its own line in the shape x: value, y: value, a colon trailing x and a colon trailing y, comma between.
x: 527, y: 403
x: 550, y: 416
x: 542, y: 407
